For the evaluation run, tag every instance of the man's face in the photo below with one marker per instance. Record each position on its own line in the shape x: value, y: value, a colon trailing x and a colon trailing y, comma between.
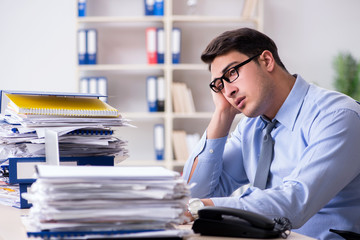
x: 251, y: 92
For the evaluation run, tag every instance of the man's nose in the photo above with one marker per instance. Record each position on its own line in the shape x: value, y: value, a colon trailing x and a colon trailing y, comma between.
x: 230, y: 89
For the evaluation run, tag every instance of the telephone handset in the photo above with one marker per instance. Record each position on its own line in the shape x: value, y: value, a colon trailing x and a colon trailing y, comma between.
x: 231, y: 222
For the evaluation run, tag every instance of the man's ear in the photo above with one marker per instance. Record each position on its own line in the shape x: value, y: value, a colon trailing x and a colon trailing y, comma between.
x: 268, y: 60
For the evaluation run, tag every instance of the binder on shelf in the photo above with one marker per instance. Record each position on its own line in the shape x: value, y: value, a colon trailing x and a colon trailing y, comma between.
x: 81, y: 8
x: 91, y: 46
x: 22, y: 170
x: 57, y: 104
x: 151, y: 95
x: 93, y: 85
x: 160, y: 37
x: 159, y: 141
x: 159, y: 8
x: 84, y: 85
x: 151, y: 50
x: 160, y: 94
x: 102, y: 88
x: 176, y: 45
x: 81, y: 46
x: 149, y: 6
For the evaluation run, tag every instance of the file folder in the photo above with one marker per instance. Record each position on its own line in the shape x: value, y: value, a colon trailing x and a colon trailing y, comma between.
x: 160, y: 94
x: 176, y: 45
x: 81, y: 46
x: 151, y: 93
x: 149, y: 7
x: 151, y: 45
x: 84, y: 85
x: 93, y: 85
x: 23, y: 188
x: 81, y: 8
x: 91, y: 46
x: 102, y: 88
x: 160, y: 38
x: 159, y: 8
x: 22, y: 170
x: 159, y: 141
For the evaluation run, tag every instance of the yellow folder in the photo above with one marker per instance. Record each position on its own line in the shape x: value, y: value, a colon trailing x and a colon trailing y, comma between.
x: 60, y: 105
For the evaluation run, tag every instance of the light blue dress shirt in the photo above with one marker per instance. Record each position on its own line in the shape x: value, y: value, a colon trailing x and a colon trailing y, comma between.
x: 314, y: 178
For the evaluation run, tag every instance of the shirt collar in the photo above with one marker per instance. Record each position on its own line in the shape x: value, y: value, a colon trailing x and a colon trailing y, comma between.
x: 290, y: 109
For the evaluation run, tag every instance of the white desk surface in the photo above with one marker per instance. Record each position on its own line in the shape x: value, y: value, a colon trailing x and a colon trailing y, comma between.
x: 11, y: 227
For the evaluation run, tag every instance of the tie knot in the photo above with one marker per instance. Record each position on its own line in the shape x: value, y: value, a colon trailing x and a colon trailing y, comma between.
x: 270, y: 125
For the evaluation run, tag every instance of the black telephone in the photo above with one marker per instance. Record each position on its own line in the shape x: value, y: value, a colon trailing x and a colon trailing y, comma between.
x: 231, y: 222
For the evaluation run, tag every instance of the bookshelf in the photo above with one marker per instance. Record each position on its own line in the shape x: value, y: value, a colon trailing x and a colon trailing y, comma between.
x: 122, y: 59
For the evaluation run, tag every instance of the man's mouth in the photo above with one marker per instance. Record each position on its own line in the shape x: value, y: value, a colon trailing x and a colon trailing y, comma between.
x: 240, y: 102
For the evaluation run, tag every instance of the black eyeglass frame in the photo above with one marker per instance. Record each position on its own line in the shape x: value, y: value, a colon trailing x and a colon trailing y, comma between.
x: 222, y: 78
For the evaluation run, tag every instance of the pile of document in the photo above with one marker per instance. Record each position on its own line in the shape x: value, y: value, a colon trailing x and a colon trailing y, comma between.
x: 25, y: 137
x: 85, y: 126
x: 9, y: 194
x: 105, y: 200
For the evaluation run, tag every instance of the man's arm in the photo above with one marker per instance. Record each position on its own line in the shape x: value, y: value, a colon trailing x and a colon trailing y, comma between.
x: 220, y: 122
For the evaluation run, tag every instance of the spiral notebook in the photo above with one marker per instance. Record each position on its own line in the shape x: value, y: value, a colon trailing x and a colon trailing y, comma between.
x: 59, y: 105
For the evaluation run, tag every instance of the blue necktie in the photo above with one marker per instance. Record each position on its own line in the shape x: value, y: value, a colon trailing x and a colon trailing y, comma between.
x: 266, y: 155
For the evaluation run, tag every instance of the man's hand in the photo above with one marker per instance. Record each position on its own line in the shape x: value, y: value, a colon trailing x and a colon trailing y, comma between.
x: 223, y: 117
x: 223, y: 105
x: 206, y: 202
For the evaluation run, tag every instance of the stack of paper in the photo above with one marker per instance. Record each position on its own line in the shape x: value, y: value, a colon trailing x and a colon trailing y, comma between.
x: 9, y: 194
x: 84, y: 126
x: 87, y: 200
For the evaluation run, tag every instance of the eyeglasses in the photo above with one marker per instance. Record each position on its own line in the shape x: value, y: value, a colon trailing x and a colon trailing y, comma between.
x: 229, y: 76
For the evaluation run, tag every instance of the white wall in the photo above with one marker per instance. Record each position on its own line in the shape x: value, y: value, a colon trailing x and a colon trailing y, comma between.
x: 37, y: 39
x: 37, y: 45
x: 309, y: 33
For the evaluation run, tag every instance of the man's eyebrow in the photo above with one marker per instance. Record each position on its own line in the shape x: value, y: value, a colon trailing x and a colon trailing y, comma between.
x: 228, y: 66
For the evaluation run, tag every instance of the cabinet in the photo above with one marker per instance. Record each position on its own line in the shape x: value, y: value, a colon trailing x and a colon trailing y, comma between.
x: 121, y: 26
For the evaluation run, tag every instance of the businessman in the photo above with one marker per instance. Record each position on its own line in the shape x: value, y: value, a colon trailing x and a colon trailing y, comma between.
x: 308, y: 136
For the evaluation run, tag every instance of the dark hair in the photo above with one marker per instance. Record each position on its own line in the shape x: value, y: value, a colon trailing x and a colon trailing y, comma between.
x: 244, y: 40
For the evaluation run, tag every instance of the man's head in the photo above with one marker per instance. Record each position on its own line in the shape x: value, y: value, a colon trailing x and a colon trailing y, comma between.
x: 244, y: 40
x: 247, y: 71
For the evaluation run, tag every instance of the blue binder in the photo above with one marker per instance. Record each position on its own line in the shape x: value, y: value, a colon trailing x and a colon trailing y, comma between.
x: 160, y: 94
x: 159, y: 141
x: 151, y: 87
x: 160, y: 40
x: 23, y: 187
x: 81, y: 8
x: 159, y: 8
x: 16, y: 165
x: 102, y: 88
x: 81, y: 46
x: 91, y: 46
x: 176, y: 45
x: 149, y: 7
x: 21, y: 170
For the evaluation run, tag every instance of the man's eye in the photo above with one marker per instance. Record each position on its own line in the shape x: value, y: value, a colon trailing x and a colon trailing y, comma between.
x: 232, y: 72
x: 218, y: 84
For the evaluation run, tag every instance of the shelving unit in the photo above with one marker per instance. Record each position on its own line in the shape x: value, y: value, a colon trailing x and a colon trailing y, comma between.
x: 122, y: 59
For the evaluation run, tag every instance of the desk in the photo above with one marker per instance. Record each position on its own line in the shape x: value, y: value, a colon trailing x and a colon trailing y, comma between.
x: 12, y: 228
